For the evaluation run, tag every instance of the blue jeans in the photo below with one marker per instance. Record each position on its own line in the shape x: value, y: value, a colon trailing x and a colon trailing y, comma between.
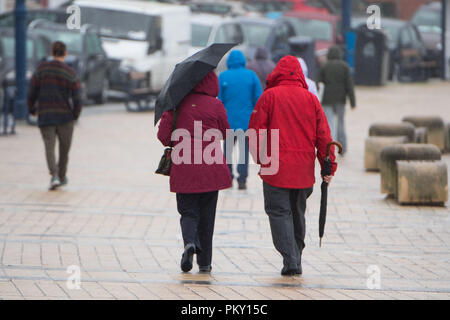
x: 242, y: 167
x: 336, y: 120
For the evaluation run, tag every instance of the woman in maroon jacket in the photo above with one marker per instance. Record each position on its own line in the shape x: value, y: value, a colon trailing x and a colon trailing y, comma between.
x: 197, y: 179
x: 288, y: 109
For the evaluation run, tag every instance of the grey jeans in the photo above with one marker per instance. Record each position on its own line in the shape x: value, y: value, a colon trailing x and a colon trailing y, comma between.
x: 336, y: 120
x: 64, y: 133
x: 286, y: 210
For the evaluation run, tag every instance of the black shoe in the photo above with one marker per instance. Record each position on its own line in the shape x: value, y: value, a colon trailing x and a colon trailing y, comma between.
x: 186, y: 259
x: 205, y: 269
x: 299, y: 270
x: 289, y: 272
x: 64, y: 182
x: 242, y: 186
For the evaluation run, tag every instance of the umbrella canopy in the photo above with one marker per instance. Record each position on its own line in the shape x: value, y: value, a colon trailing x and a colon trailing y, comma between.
x: 187, y: 75
x: 326, y: 171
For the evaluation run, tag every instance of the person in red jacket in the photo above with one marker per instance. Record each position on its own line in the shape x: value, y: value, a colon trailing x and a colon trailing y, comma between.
x: 194, y: 178
x: 289, y: 110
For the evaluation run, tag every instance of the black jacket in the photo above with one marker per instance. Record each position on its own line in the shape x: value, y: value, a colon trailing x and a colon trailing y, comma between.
x: 335, y: 74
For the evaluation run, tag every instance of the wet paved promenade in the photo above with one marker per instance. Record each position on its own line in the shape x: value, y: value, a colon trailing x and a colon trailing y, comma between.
x: 118, y: 223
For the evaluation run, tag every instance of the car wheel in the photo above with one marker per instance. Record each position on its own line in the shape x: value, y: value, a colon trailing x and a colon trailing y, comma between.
x: 399, y: 74
x: 102, y: 98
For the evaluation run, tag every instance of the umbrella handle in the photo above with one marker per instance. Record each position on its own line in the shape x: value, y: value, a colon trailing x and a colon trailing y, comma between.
x: 337, y: 144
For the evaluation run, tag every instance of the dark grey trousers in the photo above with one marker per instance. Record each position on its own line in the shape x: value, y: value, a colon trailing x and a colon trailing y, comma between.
x: 286, y: 210
x: 198, y: 214
x: 64, y: 133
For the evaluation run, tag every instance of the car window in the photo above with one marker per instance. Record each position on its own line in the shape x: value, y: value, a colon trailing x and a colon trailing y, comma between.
x: 8, y: 46
x: 93, y: 44
x: 428, y: 20
x: 200, y: 35
x: 73, y: 40
x: 118, y: 24
x: 7, y: 20
x: 392, y: 33
x: 234, y: 33
x: 316, y: 29
x: 41, y: 50
x: 282, y: 35
x: 415, y: 37
x: 406, y: 38
x: 257, y: 35
x: 221, y: 35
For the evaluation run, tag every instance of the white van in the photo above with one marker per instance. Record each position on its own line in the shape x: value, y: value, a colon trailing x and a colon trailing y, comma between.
x: 143, y: 40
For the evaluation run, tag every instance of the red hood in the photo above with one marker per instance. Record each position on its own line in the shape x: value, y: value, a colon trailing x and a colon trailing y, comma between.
x: 209, y: 85
x: 287, y: 71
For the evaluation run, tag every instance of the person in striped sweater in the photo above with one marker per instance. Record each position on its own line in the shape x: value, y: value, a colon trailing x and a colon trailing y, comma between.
x: 54, y: 95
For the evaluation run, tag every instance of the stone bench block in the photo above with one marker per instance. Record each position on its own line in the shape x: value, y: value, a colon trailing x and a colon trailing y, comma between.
x: 435, y: 129
x: 422, y: 182
x: 410, y: 151
x: 373, y: 147
x: 393, y: 130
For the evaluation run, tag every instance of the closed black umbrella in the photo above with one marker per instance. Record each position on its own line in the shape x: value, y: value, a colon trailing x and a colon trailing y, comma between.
x: 187, y: 75
x: 326, y: 171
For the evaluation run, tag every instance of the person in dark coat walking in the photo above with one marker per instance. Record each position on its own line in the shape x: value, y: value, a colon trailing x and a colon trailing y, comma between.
x: 338, y: 85
x: 239, y: 91
x: 197, y: 182
x: 287, y: 106
x: 54, y: 95
x: 262, y: 65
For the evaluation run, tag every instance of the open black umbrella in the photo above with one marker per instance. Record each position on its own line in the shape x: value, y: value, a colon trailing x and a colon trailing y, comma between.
x: 187, y: 75
x: 326, y: 171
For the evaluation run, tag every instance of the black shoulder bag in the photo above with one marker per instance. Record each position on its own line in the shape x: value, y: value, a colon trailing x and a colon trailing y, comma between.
x: 166, y: 160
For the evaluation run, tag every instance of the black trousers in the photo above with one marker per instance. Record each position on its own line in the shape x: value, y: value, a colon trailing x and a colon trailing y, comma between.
x: 198, y: 214
x: 286, y: 210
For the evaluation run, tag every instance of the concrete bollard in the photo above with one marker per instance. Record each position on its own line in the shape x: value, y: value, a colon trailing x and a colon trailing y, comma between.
x: 392, y: 130
x: 435, y: 129
x: 422, y: 182
x: 420, y: 135
x: 373, y: 147
x: 410, y: 151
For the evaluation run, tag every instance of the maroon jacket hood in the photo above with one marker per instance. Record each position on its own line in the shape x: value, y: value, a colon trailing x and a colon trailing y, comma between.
x: 288, y: 70
x: 209, y: 85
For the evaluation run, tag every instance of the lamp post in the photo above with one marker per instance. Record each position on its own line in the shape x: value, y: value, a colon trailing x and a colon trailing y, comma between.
x: 20, y: 101
x: 346, y: 17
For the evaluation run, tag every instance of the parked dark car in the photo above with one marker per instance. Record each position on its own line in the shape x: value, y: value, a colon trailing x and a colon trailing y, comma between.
x: 407, y: 51
x: 271, y: 34
x: 324, y: 28
x: 85, y: 55
x: 428, y: 19
x: 55, y: 16
x: 37, y: 51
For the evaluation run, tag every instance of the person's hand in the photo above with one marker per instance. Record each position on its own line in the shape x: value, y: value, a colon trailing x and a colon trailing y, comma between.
x: 354, y: 107
x: 327, y: 179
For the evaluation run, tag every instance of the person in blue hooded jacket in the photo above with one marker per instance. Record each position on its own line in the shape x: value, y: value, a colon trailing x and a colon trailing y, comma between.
x: 240, y: 89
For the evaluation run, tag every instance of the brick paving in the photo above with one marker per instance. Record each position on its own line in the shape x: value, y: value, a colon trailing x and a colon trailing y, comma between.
x: 118, y: 222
